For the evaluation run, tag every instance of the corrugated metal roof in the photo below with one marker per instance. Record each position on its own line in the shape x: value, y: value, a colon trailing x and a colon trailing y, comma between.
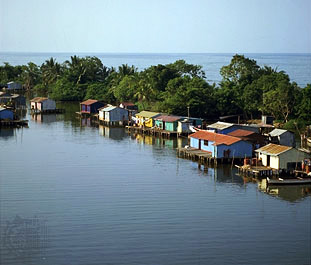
x: 148, y: 114
x: 38, y: 99
x: 107, y: 108
x: 277, y: 132
x: 127, y: 104
x: 215, y: 137
x: 168, y: 118
x: 273, y: 149
x: 240, y: 133
x: 89, y: 102
x: 220, y: 125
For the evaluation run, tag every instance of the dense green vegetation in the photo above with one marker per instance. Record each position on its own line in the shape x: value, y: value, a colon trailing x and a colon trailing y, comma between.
x: 245, y: 87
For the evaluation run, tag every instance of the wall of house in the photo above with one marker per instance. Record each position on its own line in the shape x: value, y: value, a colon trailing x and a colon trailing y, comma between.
x: 101, y: 115
x: 293, y: 155
x: 118, y: 114
x: 183, y: 127
x: 159, y: 124
x: 48, y: 105
x: 239, y: 149
x: 6, y: 114
x: 195, y: 144
x: 171, y: 126
x: 287, y: 139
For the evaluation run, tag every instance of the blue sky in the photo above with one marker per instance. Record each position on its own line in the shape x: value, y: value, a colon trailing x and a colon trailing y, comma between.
x: 157, y: 26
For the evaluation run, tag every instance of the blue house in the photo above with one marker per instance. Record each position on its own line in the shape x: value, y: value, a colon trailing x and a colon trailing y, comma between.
x: 220, y: 145
x: 226, y: 127
x: 91, y: 106
x: 6, y: 114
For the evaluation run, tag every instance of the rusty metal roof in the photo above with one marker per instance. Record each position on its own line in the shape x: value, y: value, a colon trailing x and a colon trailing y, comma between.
x: 89, y: 102
x: 240, y: 133
x: 168, y: 118
x: 38, y: 99
x: 273, y: 149
x: 215, y: 137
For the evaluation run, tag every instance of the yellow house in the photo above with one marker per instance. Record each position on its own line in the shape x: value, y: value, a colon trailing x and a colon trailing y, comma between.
x: 146, y: 118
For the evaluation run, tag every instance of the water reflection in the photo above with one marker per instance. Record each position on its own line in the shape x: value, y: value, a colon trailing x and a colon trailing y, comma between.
x: 172, y: 143
x: 44, y: 118
x: 23, y: 240
x: 115, y: 133
x: 6, y: 133
x: 291, y: 193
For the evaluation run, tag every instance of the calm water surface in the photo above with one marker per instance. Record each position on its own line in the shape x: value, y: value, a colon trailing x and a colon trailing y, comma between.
x: 75, y: 194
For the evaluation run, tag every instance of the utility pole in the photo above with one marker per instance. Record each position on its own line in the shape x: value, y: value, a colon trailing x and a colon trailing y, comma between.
x: 188, y: 112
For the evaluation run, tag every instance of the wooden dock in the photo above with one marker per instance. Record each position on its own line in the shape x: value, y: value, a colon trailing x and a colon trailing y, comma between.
x: 204, y: 157
x: 256, y: 171
x: 13, y: 123
x: 49, y: 111
x: 152, y: 131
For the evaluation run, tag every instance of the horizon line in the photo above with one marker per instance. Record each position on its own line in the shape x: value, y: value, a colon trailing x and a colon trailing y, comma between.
x: 67, y: 52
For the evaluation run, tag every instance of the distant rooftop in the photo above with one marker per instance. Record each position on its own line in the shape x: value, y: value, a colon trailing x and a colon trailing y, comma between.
x: 277, y: 132
x: 220, y: 125
x: 38, y: 99
x: 89, y: 102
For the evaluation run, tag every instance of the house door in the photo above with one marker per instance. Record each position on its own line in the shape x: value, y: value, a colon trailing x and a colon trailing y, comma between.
x: 268, y: 160
x: 199, y: 144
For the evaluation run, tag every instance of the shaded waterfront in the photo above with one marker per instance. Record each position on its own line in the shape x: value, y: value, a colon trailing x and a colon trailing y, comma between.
x: 72, y: 193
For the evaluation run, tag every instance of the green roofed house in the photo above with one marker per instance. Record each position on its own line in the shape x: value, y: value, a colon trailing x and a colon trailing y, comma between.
x: 167, y: 122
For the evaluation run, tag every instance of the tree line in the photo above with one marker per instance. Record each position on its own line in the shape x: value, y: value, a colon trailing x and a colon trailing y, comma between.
x: 245, y: 87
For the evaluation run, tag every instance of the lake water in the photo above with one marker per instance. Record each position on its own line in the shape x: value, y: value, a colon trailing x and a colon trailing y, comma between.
x: 297, y: 66
x: 71, y: 193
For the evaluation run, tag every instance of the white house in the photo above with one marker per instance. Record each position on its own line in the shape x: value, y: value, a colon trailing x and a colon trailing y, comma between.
x: 113, y: 114
x: 279, y: 156
x: 282, y: 137
x: 42, y: 104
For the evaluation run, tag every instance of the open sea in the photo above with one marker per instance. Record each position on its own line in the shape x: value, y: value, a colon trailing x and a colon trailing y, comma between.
x: 297, y: 66
x: 74, y: 193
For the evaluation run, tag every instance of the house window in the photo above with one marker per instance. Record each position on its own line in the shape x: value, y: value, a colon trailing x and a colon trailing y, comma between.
x: 205, y: 142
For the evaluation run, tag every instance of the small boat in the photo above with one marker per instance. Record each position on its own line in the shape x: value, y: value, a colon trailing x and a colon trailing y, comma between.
x: 291, y: 181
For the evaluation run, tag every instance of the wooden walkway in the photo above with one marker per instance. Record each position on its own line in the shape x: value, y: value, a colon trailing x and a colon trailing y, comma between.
x: 204, y: 157
x: 13, y: 123
x: 256, y: 171
x: 49, y: 111
x: 152, y: 131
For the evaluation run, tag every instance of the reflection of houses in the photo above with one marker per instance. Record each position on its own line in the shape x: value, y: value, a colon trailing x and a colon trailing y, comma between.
x: 167, y: 122
x: 6, y: 114
x: 225, y: 127
x: 221, y: 146
x: 113, y: 115
x: 90, y: 106
x: 115, y: 133
x: 146, y: 118
x: 14, y: 100
x: 280, y: 156
x: 14, y: 86
x: 41, y: 104
x: 44, y: 118
x: 282, y: 137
